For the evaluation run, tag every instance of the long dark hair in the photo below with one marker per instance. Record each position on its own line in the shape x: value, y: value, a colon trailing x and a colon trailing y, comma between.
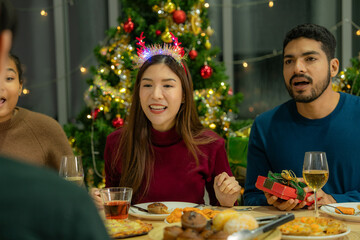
x: 135, y: 148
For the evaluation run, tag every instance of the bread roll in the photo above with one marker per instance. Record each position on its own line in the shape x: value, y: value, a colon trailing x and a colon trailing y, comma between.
x: 157, y: 208
x: 221, y: 218
x: 242, y: 221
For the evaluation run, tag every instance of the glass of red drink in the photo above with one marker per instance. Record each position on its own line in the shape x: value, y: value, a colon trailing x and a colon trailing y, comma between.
x: 116, y: 202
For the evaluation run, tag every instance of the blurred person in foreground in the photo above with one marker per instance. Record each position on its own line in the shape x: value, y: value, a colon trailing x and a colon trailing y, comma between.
x: 30, y: 136
x: 35, y: 203
x: 316, y: 119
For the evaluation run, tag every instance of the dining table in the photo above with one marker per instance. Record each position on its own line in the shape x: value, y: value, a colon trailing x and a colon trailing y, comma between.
x: 258, y: 211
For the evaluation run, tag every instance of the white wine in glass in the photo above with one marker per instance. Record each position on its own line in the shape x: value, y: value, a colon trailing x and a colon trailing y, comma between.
x: 71, y: 169
x: 315, y: 172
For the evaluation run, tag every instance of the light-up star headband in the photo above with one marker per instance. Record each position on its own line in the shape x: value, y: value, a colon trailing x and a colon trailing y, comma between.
x: 145, y: 53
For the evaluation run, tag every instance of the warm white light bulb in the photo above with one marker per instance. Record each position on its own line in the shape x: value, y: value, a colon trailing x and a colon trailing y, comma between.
x: 245, y: 65
x: 43, y: 13
x: 271, y: 3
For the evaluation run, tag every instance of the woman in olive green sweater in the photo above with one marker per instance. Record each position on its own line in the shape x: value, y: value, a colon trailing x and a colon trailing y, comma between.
x: 26, y: 135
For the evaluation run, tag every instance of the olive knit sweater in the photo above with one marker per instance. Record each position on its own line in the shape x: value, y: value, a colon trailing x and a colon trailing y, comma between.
x: 34, y: 138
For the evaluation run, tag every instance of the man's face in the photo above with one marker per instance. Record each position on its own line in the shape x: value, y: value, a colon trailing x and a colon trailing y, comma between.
x: 306, y: 70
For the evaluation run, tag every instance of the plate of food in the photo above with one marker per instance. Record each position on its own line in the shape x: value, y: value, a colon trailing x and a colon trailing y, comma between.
x: 157, y: 210
x: 193, y: 225
x: 314, y: 228
x: 124, y: 228
x: 351, y: 210
x: 176, y: 214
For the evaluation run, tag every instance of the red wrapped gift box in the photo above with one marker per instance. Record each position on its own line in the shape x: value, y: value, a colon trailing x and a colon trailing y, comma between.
x: 281, y: 191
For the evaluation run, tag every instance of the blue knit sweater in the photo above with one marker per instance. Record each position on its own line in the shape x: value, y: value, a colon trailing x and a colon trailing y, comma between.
x: 280, y: 137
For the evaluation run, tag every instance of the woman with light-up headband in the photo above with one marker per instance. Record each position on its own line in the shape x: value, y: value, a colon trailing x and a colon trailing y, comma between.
x: 163, y: 152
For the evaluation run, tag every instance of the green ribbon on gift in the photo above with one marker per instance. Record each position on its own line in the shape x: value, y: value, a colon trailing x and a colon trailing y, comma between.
x: 289, y: 178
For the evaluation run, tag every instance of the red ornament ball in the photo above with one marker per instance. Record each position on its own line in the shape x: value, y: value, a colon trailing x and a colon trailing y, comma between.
x: 157, y: 32
x: 117, y: 121
x: 94, y: 113
x: 129, y: 26
x: 179, y: 16
x: 230, y: 92
x: 206, y: 71
x: 193, y: 54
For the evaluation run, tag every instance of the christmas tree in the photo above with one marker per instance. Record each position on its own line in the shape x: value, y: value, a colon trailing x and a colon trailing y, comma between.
x: 349, y: 79
x: 108, y: 97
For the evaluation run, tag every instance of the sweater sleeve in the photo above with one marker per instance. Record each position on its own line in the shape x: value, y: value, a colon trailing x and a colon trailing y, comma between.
x: 86, y: 223
x: 219, y: 163
x: 351, y: 196
x: 112, y: 176
x: 59, y: 146
x: 51, y: 137
x: 256, y: 165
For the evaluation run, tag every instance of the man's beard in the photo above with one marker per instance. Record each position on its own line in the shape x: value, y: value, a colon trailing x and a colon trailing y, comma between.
x: 316, y: 91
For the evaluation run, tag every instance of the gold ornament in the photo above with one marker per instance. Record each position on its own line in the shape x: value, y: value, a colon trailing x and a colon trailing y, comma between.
x: 161, y: 13
x: 106, y: 109
x: 207, y: 44
x: 166, y: 36
x: 169, y: 7
x: 212, y: 125
x: 155, y: 8
x: 194, y: 24
x: 209, y: 31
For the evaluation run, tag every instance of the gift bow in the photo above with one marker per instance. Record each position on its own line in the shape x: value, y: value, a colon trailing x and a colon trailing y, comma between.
x: 288, y: 178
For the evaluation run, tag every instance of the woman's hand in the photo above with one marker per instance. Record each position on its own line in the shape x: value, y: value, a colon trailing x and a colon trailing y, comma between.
x: 227, y: 189
x: 95, y: 195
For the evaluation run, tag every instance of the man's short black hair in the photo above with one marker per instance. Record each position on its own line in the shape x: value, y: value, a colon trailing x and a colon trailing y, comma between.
x: 315, y: 32
x: 7, y: 17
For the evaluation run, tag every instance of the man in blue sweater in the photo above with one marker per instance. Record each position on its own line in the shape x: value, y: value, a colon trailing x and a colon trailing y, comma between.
x: 315, y: 119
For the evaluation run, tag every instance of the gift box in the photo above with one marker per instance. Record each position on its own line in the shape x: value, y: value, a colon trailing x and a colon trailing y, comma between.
x: 281, y: 191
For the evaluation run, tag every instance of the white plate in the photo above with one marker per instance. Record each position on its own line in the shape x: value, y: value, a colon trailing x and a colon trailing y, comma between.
x: 171, y: 206
x: 316, y: 237
x: 331, y: 211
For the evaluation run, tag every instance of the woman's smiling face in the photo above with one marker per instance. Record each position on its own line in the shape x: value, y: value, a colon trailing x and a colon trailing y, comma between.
x: 161, y: 96
x: 10, y: 89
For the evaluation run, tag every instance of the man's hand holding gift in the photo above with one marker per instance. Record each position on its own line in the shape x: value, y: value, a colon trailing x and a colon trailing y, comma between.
x: 283, y: 205
x: 287, y: 192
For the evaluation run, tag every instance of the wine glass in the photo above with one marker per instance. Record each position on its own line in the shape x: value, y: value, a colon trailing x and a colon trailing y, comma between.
x: 315, y: 172
x: 71, y: 169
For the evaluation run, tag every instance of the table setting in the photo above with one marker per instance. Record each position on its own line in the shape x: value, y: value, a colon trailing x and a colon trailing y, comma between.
x: 263, y: 214
x: 184, y: 220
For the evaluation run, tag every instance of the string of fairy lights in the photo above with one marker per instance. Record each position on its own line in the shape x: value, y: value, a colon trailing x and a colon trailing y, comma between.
x: 82, y: 67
